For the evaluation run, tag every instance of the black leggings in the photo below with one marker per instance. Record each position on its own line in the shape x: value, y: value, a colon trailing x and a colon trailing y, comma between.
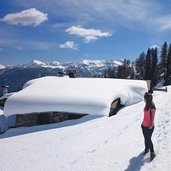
x: 147, y: 138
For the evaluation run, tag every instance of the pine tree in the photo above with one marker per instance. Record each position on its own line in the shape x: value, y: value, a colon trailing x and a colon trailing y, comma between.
x: 124, y: 71
x: 140, y: 66
x: 110, y: 73
x: 162, y: 66
x: 154, y: 69
x: 132, y: 71
x: 105, y: 73
x: 148, y: 65
x: 168, y: 68
x: 120, y: 71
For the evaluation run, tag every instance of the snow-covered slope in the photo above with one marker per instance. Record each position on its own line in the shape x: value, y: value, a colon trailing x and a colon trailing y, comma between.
x: 36, y: 63
x: 89, y: 64
x: 79, y: 95
x: 2, y: 66
x: 91, y: 143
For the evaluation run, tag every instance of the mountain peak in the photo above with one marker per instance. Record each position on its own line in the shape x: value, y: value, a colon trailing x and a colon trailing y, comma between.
x: 2, y: 66
x: 37, y: 62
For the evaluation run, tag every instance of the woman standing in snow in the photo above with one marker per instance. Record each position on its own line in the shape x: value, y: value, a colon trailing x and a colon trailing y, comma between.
x: 148, y: 124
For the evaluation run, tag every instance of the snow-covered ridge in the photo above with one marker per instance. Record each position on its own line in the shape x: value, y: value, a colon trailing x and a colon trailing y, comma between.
x: 2, y: 66
x: 55, y: 64
x: 98, y: 63
x: 101, y: 63
x: 37, y: 63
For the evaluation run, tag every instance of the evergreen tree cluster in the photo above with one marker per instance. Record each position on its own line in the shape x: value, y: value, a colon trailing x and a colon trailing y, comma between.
x: 122, y: 71
x: 153, y: 65
x: 147, y: 66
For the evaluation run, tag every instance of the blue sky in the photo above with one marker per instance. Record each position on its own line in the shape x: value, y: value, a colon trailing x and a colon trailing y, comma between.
x: 73, y: 30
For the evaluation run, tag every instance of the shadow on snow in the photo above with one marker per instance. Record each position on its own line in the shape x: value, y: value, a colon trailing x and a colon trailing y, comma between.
x: 136, y: 163
x: 26, y: 130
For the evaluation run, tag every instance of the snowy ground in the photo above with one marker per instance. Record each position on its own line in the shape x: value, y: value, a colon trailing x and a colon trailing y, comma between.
x: 91, y: 143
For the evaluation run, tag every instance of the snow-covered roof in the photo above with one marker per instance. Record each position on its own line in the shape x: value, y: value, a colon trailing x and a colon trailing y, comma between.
x: 74, y: 95
x: 6, y: 96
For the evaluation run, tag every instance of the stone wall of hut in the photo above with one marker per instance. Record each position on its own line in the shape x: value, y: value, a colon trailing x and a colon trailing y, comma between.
x: 44, y: 118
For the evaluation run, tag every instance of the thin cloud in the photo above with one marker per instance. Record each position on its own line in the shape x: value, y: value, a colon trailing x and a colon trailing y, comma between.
x: 21, y: 44
x: 20, y: 48
x: 27, y: 17
x: 132, y: 14
x: 89, y: 35
x: 69, y: 45
x: 163, y: 23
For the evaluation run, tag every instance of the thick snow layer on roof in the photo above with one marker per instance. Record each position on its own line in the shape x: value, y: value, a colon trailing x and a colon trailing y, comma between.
x: 74, y: 95
x: 6, y: 96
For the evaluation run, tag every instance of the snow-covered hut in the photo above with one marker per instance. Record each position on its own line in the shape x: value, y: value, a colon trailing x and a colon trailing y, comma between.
x: 79, y: 95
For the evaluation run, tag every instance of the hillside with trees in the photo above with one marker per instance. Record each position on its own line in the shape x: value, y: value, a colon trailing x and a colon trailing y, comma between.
x: 153, y: 65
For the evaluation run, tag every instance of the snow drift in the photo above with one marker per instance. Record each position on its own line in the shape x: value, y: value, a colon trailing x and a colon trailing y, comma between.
x: 74, y: 95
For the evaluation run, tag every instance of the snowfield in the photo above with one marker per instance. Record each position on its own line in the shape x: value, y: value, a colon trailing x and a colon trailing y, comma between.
x: 92, y: 143
x: 79, y: 95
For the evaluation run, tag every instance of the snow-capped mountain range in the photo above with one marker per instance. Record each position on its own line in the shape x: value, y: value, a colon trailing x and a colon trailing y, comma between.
x: 55, y: 64
x: 16, y: 76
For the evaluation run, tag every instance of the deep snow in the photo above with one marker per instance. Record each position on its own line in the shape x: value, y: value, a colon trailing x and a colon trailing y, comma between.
x: 91, y: 143
x: 79, y: 95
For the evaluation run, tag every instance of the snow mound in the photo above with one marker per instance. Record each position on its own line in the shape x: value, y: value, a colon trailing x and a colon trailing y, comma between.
x: 74, y: 95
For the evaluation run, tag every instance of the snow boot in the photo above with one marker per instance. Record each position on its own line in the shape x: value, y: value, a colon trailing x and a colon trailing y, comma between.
x: 152, y: 156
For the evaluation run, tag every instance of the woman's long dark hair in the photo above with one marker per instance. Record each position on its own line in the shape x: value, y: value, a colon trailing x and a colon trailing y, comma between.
x: 149, y: 101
